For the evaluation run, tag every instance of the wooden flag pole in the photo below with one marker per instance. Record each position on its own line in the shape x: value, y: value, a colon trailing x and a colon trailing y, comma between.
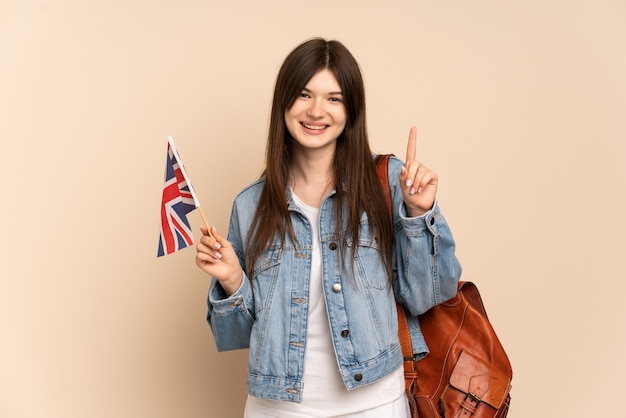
x: 206, y: 224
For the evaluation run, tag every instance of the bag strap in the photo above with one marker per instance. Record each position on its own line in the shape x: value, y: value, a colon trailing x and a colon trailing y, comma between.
x: 410, y: 372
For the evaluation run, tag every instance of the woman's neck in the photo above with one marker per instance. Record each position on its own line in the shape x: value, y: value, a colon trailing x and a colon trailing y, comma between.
x: 312, y: 178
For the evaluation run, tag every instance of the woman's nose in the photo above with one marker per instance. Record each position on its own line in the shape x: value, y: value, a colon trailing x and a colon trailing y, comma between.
x: 316, y: 108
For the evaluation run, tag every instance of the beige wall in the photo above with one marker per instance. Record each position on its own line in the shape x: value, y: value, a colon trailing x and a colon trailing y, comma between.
x: 521, y: 110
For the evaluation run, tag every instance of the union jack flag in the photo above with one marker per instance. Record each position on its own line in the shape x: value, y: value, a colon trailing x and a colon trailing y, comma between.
x: 178, y: 200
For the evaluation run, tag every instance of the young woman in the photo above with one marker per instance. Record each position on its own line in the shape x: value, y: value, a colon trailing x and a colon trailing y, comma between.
x: 308, y: 274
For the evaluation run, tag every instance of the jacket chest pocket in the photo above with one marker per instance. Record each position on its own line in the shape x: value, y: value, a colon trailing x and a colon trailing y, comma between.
x: 266, y: 272
x: 369, y: 268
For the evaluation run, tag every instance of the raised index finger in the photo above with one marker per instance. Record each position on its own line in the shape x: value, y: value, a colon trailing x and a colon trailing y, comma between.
x: 411, y: 145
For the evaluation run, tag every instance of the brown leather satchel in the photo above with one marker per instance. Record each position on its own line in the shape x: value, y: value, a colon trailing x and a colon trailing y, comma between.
x: 467, y: 372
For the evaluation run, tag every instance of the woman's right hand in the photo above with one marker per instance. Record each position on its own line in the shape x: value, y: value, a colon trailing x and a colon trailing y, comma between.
x: 215, y: 255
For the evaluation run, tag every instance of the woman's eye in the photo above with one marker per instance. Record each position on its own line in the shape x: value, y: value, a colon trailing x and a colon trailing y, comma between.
x: 335, y: 99
x: 304, y: 95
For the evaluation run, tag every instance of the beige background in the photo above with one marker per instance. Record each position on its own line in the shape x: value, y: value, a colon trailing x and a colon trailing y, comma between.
x: 520, y: 108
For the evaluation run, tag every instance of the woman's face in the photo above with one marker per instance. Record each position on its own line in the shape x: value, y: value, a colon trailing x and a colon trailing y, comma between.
x: 318, y: 116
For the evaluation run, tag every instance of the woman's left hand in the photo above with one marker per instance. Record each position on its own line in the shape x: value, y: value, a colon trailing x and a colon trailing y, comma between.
x: 419, y: 183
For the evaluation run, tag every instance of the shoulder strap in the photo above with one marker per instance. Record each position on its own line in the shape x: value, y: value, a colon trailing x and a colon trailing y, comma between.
x: 382, y: 164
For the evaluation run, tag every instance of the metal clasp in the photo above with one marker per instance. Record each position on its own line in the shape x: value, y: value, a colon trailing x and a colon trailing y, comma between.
x: 474, y: 397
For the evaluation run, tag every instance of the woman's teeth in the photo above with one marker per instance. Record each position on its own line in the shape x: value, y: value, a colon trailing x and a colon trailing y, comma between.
x: 314, y: 127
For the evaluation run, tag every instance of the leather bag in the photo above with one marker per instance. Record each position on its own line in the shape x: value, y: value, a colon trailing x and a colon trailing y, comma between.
x: 467, y: 372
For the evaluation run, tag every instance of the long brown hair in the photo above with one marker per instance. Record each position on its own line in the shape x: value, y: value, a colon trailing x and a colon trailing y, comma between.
x: 357, y: 186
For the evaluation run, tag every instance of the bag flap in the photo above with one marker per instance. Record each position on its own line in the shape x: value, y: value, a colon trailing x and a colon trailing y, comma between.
x: 482, y: 379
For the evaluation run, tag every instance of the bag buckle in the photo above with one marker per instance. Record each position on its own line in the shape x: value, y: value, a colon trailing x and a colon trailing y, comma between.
x: 475, y: 398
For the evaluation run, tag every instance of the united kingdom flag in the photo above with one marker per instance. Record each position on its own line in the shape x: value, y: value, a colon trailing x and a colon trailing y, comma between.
x: 178, y: 200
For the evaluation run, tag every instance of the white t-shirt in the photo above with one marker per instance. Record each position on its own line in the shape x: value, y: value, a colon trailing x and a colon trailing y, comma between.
x: 324, y: 393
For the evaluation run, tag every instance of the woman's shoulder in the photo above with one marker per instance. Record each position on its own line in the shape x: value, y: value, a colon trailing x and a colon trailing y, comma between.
x: 251, y: 192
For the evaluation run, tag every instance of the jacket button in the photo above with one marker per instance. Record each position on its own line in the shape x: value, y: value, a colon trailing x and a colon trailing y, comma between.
x: 333, y: 246
x: 358, y: 377
x: 345, y: 333
x: 336, y: 288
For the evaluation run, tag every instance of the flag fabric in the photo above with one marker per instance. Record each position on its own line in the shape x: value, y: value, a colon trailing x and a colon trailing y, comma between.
x: 178, y: 200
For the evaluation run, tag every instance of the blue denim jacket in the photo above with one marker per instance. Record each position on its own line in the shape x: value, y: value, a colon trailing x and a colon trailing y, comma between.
x: 268, y: 313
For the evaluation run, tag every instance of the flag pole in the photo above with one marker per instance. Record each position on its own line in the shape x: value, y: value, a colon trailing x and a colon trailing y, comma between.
x: 206, y: 224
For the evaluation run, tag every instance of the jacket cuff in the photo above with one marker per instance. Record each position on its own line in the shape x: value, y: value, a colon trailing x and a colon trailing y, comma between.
x: 223, y: 303
x: 416, y: 225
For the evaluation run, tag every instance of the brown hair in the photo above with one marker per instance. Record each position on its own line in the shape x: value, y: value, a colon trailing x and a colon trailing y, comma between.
x: 357, y: 186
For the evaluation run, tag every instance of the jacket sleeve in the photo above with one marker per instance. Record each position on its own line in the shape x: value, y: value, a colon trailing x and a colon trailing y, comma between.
x: 231, y: 317
x: 426, y: 270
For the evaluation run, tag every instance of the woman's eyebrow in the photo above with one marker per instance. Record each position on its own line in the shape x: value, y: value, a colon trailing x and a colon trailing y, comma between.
x: 332, y: 93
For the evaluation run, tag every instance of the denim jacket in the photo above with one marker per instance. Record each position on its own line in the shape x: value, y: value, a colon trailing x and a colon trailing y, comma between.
x: 268, y: 313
